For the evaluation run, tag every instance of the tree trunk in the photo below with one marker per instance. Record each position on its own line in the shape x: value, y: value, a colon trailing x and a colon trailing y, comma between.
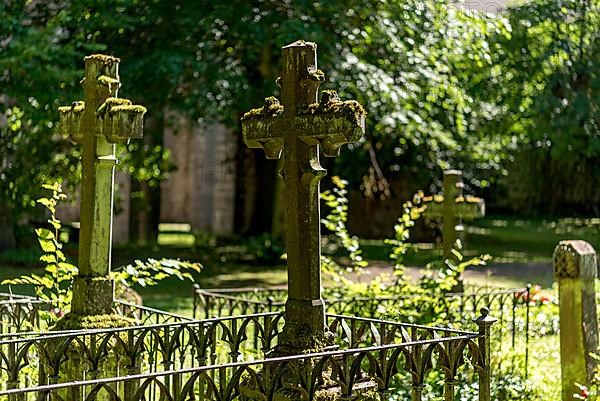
x: 145, y: 198
x: 7, y: 233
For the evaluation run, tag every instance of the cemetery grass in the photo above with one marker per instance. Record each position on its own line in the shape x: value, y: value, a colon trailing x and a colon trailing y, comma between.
x: 508, y: 240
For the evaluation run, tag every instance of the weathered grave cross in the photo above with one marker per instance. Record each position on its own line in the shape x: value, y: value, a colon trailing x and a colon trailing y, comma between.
x: 98, y: 122
x: 452, y: 207
x: 297, y: 128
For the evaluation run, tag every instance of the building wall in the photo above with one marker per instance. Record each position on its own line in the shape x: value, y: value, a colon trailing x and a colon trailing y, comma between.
x: 200, y: 192
x: 202, y: 189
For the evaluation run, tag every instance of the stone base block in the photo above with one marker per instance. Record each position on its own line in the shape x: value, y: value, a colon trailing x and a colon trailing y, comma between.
x: 92, y: 295
x: 305, y: 329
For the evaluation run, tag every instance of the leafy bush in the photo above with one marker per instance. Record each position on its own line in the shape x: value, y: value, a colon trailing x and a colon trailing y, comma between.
x: 55, y: 285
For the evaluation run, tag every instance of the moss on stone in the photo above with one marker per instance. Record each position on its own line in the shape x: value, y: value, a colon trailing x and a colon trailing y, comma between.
x: 114, y: 105
x: 75, y: 107
x: 72, y: 321
x: 108, y: 81
x: 272, y: 108
x: 468, y: 199
x: 331, y: 104
x: 130, y: 109
x: 103, y: 58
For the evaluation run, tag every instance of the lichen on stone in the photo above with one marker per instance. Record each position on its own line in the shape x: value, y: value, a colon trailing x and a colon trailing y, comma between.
x: 103, y: 58
x: 72, y: 321
x: 316, y: 75
x: 114, y: 105
x: 108, y: 81
x: 272, y: 108
x: 75, y: 107
x: 331, y: 104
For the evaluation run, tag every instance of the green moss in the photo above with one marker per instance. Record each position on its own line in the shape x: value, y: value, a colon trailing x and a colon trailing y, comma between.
x: 272, y: 108
x: 103, y: 58
x: 72, y: 321
x: 331, y: 104
x: 114, y: 105
x: 131, y: 109
x: 75, y: 107
x: 317, y: 75
x: 108, y: 81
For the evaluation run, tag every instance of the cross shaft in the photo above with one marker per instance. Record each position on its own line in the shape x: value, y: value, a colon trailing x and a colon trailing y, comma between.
x: 453, y: 207
x: 98, y: 122
x: 298, y: 128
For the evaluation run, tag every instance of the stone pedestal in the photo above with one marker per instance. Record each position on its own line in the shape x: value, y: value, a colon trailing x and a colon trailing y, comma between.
x: 575, y: 269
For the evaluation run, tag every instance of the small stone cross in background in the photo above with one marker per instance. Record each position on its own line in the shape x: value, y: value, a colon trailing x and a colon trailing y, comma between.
x: 298, y: 127
x: 452, y: 207
x: 98, y: 122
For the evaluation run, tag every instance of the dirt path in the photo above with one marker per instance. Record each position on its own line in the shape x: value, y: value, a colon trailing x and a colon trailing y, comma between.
x: 494, y: 274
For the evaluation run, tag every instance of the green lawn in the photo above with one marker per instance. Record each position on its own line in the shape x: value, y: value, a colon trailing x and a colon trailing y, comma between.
x: 508, y: 240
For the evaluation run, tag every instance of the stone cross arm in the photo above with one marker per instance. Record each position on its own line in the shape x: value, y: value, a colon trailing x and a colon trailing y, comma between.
x: 117, y: 119
x: 330, y: 123
x: 466, y: 207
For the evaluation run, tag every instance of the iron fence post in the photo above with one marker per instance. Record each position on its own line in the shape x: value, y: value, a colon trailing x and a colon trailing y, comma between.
x: 527, y: 310
x: 484, y: 323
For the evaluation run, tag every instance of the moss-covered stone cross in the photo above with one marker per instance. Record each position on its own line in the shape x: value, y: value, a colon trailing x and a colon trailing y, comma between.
x: 98, y: 123
x: 298, y: 127
x: 452, y: 207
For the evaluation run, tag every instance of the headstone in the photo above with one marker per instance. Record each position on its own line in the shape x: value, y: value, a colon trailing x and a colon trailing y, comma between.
x: 298, y: 128
x: 575, y: 269
x: 452, y: 207
x: 98, y: 123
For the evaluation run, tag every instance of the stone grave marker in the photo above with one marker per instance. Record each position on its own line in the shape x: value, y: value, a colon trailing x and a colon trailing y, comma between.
x: 297, y: 128
x: 575, y: 269
x: 453, y: 207
x: 98, y: 123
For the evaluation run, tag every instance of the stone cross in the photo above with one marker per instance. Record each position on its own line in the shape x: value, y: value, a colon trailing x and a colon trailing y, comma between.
x: 575, y: 269
x: 98, y: 123
x: 452, y: 207
x: 298, y: 128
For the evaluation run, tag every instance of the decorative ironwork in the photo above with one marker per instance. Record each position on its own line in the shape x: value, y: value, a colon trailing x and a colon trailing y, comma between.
x: 510, y: 306
x: 201, y: 360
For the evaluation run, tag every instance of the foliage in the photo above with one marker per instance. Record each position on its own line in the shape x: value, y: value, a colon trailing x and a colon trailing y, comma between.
x: 335, y: 222
x: 150, y: 272
x: 414, y: 64
x: 548, y: 81
x: 56, y: 284
x: 421, y: 302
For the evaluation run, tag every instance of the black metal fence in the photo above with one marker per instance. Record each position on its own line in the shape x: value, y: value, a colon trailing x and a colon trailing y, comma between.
x: 511, y: 307
x: 231, y: 358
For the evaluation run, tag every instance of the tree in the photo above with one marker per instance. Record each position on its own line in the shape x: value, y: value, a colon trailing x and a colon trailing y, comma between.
x: 549, y: 87
x: 417, y: 66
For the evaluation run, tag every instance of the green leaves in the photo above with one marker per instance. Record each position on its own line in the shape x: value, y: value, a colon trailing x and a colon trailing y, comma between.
x: 55, y: 284
x: 335, y: 221
x: 150, y: 272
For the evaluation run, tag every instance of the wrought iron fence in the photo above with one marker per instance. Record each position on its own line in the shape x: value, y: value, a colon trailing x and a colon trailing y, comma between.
x: 510, y: 306
x: 232, y: 358
x: 19, y: 314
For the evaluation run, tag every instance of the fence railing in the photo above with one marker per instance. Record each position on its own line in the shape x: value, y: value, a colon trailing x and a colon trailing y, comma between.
x: 232, y: 358
x: 510, y: 306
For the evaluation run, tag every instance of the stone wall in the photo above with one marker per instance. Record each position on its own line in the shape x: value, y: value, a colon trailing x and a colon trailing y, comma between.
x: 202, y: 189
x: 200, y: 192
